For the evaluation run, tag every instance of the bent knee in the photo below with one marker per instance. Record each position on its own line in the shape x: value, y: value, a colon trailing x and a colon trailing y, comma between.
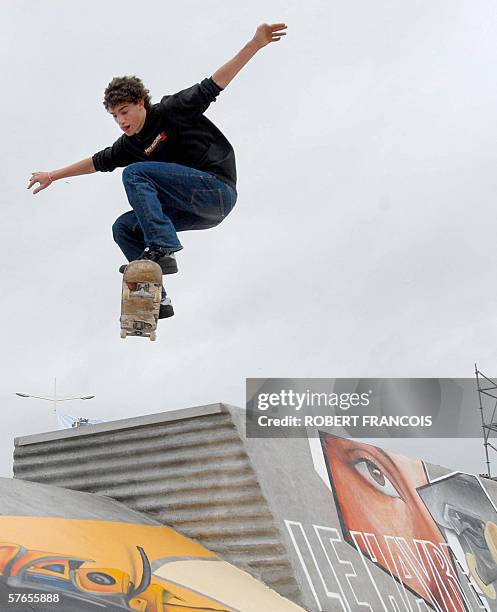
x: 117, y: 229
x: 120, y: 227
x: 132, y: 171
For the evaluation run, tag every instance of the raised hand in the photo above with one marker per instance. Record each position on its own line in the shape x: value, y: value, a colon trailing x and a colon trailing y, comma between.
x: 267, y: 33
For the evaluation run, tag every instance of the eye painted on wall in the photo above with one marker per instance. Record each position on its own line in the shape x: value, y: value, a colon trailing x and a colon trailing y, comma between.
x: 376, y: 477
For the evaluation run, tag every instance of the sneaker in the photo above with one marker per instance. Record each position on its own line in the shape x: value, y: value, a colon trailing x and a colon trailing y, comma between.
x: 166, y: 308
x: 163, y: 256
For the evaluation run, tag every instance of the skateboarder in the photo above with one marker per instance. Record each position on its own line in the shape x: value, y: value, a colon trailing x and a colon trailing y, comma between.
x: 179, y: 169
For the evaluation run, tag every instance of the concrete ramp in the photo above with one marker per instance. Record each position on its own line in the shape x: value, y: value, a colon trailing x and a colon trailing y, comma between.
x: 331, y: 523
x: 71, y: 551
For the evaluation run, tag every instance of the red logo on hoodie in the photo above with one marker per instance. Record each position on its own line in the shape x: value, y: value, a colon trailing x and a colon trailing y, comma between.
x: 157, y: 140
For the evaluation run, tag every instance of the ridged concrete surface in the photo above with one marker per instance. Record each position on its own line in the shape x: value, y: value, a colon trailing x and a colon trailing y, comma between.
x: 188, y: 470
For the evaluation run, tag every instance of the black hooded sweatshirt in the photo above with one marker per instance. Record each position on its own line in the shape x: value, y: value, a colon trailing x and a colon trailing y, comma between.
x: 176, y: 130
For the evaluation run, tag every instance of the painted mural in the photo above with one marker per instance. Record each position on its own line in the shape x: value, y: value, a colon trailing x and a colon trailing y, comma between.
x: 376, y: 494
x: 79, y: 565
x: 464, y: 512
x: 402, y: 542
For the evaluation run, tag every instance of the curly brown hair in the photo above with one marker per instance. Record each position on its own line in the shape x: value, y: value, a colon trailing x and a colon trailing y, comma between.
x: 126, y: 89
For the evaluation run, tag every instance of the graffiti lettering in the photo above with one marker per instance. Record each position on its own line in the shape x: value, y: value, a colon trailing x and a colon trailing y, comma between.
x: 310, y: 565
x: 331, y: 577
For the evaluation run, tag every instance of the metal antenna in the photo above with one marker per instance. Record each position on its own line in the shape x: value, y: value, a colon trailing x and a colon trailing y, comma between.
x: 55, y: 399
x: 488, y: 427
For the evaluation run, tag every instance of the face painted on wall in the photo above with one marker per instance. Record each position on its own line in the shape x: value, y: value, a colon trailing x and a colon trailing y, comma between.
x: 376, y: 494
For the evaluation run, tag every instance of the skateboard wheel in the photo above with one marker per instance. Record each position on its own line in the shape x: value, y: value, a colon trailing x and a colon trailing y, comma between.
x: 124, y: 333
x: 153, y: 336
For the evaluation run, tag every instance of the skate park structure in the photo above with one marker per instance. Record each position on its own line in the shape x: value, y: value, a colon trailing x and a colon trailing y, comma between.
x: 74, y: 552
x: 328, y: 522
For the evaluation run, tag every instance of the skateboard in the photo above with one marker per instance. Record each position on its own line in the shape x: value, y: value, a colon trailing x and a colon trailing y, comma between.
x: 140, y: 301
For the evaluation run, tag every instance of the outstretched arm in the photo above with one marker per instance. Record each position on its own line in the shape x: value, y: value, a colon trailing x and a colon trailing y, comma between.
x: 265, y: 34
x: 45, y: 179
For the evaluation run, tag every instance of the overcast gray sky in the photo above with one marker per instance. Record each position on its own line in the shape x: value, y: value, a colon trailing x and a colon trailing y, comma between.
x: 363, y: 240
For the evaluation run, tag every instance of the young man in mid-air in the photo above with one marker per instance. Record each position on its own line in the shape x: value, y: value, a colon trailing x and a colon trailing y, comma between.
x: 179, y: 168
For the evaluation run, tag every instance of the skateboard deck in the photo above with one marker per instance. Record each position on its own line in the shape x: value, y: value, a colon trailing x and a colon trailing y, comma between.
x: 140, y: 301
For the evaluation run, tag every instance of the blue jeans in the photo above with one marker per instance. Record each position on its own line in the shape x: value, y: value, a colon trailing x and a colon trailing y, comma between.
x: 168, y: 198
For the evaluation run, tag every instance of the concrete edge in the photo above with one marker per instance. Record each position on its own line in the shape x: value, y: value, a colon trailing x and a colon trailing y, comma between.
x: 112, y: 426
